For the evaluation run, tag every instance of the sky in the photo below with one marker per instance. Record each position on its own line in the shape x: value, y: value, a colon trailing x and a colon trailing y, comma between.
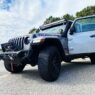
x: 18, y: 17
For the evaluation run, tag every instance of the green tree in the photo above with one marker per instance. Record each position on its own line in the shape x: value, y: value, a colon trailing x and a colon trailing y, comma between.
x: 68, y: 17
x: 34, y: 30
x: 90, y: 10
x: 51, y: 19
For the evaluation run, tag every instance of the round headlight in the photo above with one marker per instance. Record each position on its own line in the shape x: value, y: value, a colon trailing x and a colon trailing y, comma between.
x: 26, y: 40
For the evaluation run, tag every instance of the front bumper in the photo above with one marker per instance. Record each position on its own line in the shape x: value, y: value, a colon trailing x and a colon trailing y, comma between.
x: 19, y: 57
x: 12, y: 56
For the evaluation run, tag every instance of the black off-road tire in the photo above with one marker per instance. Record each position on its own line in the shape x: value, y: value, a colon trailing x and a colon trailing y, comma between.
x: 49, y: 64
x: 68, y: 60
x: 92, y: 59
x: 13, y: 68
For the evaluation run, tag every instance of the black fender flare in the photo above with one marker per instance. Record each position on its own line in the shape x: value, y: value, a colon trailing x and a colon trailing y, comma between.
x: 50, y: 42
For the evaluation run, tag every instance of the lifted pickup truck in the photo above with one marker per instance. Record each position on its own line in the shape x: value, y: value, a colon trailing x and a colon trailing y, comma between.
x: 56, y: 42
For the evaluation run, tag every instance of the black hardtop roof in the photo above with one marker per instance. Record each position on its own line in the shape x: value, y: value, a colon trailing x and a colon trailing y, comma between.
x: 85, y: 17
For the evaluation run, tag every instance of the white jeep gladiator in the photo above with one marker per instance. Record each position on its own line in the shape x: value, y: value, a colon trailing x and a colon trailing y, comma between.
x: 55, y: 42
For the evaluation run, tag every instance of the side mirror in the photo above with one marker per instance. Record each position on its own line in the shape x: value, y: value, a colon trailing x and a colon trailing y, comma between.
x: 72, y: 30
x: 61, y: 31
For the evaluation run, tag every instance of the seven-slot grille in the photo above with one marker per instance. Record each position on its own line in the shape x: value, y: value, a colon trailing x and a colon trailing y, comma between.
x: 18, y: 43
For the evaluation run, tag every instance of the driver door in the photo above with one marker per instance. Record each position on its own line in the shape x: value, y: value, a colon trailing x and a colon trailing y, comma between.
x: 82, y: 41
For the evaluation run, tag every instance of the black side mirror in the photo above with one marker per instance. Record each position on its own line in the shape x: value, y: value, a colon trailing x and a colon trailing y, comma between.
x: 72, y: 30
x: 61, y: 31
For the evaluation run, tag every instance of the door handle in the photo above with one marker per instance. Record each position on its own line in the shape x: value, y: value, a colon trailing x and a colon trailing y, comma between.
x: 92, y: 36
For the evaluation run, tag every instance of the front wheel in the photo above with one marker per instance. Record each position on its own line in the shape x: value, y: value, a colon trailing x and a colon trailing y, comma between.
x: 13, y: 66
x: 49, y: 64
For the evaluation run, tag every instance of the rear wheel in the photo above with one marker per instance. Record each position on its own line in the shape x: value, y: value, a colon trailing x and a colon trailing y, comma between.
x: 13, y: 66
x: 49, y: 64
x: 68, y: 60
x: 92, y: 59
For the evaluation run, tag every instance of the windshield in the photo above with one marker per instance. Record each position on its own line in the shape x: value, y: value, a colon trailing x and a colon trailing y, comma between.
x: 85, y: 24
x: 54, y: 30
